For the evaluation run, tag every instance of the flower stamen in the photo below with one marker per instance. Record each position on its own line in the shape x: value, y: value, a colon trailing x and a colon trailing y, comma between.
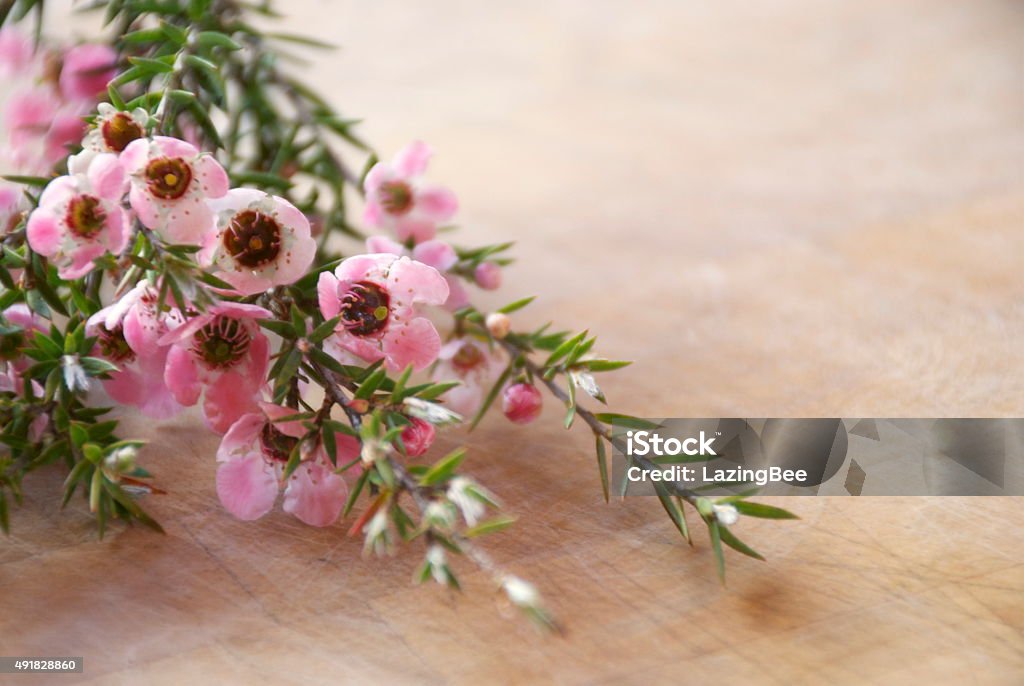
x: 253, y: 238
x: 85, y: 216
x: 365, y: 309
x: 222, y: 342
x: 168, y: 178
x: 396, y: 197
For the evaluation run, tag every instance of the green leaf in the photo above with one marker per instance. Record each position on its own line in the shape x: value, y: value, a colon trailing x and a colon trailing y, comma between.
x: 674, y: 510
x: 293, y: 461
x: 387, y: 473
x: 716, y: 545
x: 602, y: 466
x: 489, y: 527
x: 729, y: 538
x: 762, y: 511
x: 517, y: 305
x: 38, y: 181
x: 441, y: 470
x: 301, y: 40
x: 323, y: 330
x: 491, y: 395
x: 563, y: 349
x: 216, y: 39
x: 298, y: 320
x: 353, y: 495
x: 371, y: 384
x: 261, y: 180
x: 5, y: 517
x: 432, y: 391
x: 131, y: 506
x: 149, y: 66
x: 174, y: 33
x: 604, y: 365
x: 398, y: 392
x: 143, y: 36
x: 282, y: 329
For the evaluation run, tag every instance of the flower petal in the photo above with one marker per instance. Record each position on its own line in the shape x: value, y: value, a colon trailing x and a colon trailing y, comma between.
x: 412, y: 160
x: 315, y: 494
x: 247, y: 488
x: 417, y: 343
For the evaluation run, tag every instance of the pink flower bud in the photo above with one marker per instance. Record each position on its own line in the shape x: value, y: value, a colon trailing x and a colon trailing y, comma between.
x: 521, y: 403
x: 488, y: 275
x: 417, y: 437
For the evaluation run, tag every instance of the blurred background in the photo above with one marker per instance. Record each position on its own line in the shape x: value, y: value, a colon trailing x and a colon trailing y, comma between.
x: 798, y: 207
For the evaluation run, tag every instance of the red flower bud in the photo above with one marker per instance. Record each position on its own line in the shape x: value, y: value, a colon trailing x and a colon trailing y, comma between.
x: 418, y: 436
x: 521, y: 403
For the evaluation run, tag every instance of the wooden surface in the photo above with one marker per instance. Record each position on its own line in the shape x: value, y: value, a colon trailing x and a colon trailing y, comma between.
x: 812, y: 210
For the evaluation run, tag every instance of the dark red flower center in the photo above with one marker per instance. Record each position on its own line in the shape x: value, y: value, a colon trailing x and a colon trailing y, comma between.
x: 253, y: 238
x: 85, y: 217
x: 222, y: 342
x: 365, y: 309
x: 113, y: 344
x: 396, y: 197
x: 277, y: 446
x: 120, y: 130
x: 168, y: 178
x: 467, y: 357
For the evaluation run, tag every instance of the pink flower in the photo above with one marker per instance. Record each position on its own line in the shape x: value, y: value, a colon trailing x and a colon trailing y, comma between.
x: 13, y: 205
x: 433, y: 253
x: 13, y: 363
x: 171, y: 182
x: 128, y: 334
x: 377, y: 297
x: 475, y: 365
x: 261, y: 241
x: 487, y: 276
x: 418, y: 436
x: 113, y: 130
x: 16, y: 52
x: 87, y: 70
x: 521, y: 403
x: 80, y: 217
x: 223, y: 351
x: 252, y: 457
x: 396, y: 198
x: 41, y: 128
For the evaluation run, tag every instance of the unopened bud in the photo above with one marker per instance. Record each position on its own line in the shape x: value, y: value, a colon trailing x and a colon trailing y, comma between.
x: 498, y: 324
x: 521, y: 403
x: 487, y: 275
x: 359, y: 405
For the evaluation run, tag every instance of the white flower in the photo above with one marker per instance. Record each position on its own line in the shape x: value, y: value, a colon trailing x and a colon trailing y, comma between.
x: 585, y: 381
x: 726, y: 514
x: 121, y: 460
x: 521, y: 593
x: 378, y: 536
x: 373, y: 450
x: 75, y: 377
x: 498, y: 324
x: 438, y: 561
x: 439, y: 515
x: 430, y: 412
x: 460, y: 492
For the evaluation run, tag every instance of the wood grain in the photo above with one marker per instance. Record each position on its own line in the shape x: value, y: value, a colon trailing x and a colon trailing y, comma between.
x: 808, y: 210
